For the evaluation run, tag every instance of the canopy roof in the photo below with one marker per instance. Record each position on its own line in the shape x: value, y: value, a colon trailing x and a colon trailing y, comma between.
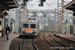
x: 71, y: 5
x: 8, y: 4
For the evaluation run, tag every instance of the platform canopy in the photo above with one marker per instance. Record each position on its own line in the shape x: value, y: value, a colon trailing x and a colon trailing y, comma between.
x: 8, y: 4
x: 71, y: 5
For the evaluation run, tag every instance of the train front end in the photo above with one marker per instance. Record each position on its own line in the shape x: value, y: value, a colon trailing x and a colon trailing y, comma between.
x: 30, y: 28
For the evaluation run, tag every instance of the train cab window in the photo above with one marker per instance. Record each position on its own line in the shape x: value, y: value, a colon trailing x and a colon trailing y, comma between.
x: 0, y: 22
x: 25, y: 25
x: 32, y: 25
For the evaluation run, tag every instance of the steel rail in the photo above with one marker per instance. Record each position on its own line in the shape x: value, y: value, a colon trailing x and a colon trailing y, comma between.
x: 57, y: 41
x: 49, y: 42
x: 34, y: 44
x: 60, y: 42
x: 21, y: 44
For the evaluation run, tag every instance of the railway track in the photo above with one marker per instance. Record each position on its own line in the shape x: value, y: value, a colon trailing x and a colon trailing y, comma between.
x: 51, y: 41
x: 42, y: 43
x: 28, y: 44
x: 71, y: 43
x: 64, y: 43
x: 15, y: 44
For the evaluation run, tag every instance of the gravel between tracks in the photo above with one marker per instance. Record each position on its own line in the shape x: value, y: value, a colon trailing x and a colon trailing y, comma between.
x: 52, y: 41
x: 41, y: 43
x: 15, y: 44
x: 28, y: 45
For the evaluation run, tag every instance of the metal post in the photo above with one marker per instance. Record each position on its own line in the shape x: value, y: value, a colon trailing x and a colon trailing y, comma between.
x: 69, y: 24
x: 57, y: 12
x: 62, y: 9
x: 58, y: 5
x: 55, y: 22
x: 19, y: 20
x: 19, y: 17
x: 26, y: 12
x: 10, y: 22
x: 60, y: 22
x: 62, y: 12
x: 49, y: 21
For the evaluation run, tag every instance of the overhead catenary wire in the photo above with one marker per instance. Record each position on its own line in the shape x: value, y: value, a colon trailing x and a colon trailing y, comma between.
x: 54, y: 1
x: 50, y: 5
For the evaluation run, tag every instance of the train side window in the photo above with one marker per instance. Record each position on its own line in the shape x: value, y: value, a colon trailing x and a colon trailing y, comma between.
x: 0, y: 22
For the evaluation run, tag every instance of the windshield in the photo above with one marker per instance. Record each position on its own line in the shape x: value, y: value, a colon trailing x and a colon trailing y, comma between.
x: 32, y: 25
x: 25, y: 25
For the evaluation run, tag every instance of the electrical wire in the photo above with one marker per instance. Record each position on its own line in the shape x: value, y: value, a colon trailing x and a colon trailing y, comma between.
x: 51, y: 6
x: 54, y: 1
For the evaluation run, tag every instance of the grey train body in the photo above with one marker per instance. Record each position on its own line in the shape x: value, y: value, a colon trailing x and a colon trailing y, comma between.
x: 29, y: 28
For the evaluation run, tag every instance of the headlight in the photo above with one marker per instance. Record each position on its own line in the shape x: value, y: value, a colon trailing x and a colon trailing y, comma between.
x: 23, y: 29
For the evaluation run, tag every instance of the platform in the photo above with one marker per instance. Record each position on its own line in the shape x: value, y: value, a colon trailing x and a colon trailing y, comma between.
x: 67, y: 36
x: 4, y: 44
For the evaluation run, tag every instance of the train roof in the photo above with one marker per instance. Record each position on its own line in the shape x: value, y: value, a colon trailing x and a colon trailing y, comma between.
x: 30, y: 21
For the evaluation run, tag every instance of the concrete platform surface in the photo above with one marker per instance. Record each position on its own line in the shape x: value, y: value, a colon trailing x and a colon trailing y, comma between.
x: 68, y: 36
x: 4, y: 44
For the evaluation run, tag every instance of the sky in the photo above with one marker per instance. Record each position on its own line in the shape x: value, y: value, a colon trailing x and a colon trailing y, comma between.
x: 48, y: 4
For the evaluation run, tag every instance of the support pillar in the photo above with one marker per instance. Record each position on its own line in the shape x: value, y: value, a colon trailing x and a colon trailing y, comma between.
x: 74, y: 23
x: 2, y: 30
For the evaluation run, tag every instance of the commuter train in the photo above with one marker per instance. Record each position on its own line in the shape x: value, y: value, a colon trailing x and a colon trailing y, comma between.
x: 30, y: 27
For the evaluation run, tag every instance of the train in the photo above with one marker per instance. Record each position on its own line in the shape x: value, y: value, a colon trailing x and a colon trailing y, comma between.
x: 30, y: 27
